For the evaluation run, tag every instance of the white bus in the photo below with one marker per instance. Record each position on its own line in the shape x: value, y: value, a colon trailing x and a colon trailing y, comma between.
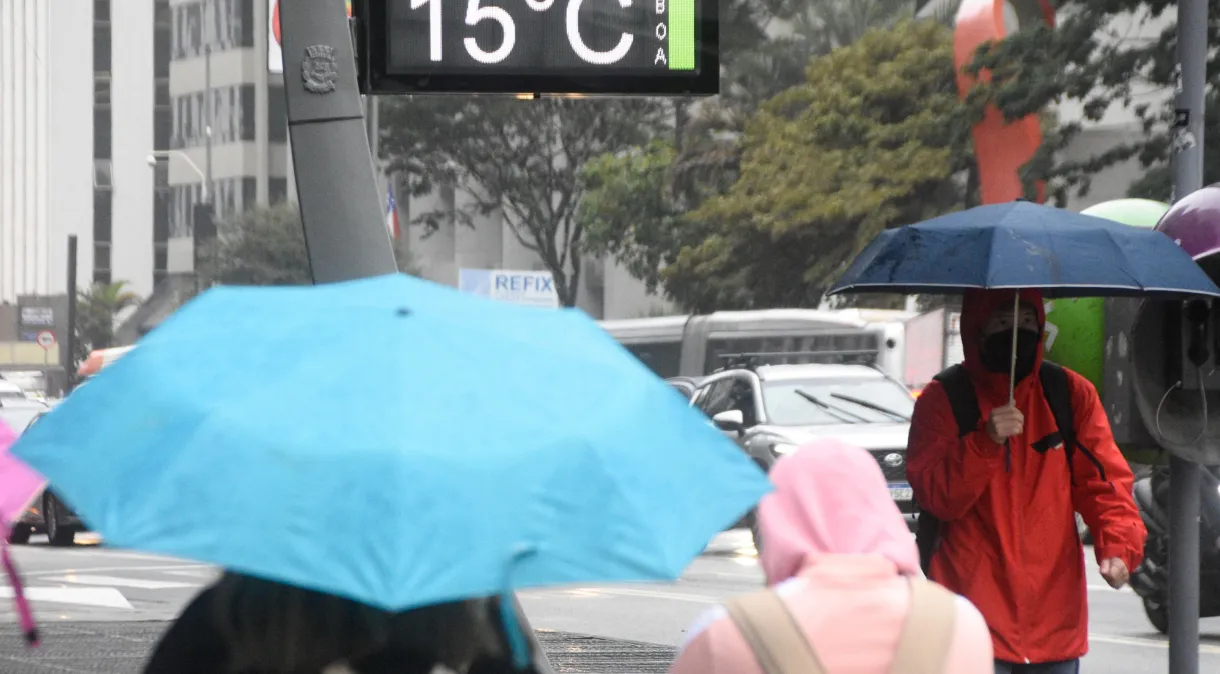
x: 693, y: 345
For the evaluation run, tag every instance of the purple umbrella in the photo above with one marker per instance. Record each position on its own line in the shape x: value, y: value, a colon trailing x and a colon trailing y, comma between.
x: 1194, y: 222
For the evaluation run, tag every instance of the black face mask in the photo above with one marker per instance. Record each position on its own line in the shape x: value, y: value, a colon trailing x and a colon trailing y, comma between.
x: 997, y: 352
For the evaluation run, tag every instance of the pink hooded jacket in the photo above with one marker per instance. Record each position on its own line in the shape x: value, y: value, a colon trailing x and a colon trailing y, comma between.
x: 837, y: 550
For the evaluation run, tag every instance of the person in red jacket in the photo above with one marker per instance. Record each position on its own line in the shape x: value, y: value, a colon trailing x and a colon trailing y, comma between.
x: 1008, y: 541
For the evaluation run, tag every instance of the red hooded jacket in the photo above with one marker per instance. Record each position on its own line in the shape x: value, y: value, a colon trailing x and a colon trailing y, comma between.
x: 1009, y: 541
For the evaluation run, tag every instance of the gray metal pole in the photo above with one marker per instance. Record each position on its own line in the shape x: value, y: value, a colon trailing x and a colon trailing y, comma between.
x: 70, y: 338
x: 336, y: 184
x: 345, y: 231
x: 207, y: 123
x: 1184, y: 477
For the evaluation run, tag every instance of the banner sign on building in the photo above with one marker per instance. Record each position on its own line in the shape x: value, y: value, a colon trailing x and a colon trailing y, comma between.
x: 41, y: 317
x: 532, y: 288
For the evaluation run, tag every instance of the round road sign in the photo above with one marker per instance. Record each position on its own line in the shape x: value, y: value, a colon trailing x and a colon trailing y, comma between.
x: 46, y: 339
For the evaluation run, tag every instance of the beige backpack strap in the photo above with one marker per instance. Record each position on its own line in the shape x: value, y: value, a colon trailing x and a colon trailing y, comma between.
x: 778, y: 642
x: 924, y: 645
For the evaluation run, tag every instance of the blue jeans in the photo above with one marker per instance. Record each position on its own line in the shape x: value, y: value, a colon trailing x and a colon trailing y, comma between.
x: 1063, y: 667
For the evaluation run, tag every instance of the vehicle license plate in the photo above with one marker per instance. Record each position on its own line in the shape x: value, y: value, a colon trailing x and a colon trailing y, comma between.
x: 901, y: 493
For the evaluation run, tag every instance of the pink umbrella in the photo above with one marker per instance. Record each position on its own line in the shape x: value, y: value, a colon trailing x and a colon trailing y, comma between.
x: 19, y: 484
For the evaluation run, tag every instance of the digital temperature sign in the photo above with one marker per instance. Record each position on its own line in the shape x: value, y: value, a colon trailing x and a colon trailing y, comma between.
x: 649, y: 47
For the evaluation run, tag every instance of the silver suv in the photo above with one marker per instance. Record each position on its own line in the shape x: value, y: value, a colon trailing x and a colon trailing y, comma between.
x: 771, y: 410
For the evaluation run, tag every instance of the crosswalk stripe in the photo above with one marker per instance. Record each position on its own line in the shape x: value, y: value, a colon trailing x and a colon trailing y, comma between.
x: 105, y: 597
x: 205, y: 574
x: 119, y: 581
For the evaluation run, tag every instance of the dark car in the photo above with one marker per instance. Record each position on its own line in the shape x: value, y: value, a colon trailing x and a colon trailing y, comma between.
x: 47, y: 514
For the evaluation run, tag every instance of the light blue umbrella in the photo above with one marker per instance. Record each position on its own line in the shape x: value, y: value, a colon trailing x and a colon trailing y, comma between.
x: 393, y: 441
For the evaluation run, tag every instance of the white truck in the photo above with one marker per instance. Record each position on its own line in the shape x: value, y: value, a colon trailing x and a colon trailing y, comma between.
x: 933, y: 343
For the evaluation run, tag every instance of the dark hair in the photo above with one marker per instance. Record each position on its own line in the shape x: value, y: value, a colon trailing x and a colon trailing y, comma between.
x: 275, y: 627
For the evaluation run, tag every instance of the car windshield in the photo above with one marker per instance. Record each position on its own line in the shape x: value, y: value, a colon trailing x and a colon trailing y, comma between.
x: 815, y: 402
x: 18, y: 417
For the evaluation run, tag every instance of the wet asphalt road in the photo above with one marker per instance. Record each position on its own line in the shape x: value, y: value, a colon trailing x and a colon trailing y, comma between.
x: 102, y: 609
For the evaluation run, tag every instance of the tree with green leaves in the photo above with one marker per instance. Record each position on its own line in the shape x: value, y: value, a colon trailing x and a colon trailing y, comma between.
x: 1090, y: 59
x: 265, y: 246
x: 97, y: 313
x: 519, y: 160
x: 874, y: 138
x: 760, y: 65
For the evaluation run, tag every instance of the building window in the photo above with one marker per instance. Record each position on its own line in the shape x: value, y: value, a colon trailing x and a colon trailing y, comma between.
x: 163, y: 126
x: 161, y: 216
x: 161, y: 51
x: 101, y: 90
x: 227, y: 24
x: 232, y: 117
x: 161, y: 176
x: 103, y: 174
x: 103, y: 217
x: 277, y: 190
x: 101, y: 256
x: 101, y: 133
x: 102, y: 205
x: 245, y: 36
x: 182, y: 200
x: 101, y: 47
x: 247, y: 112
x: 249, y: 193
x: 277, y: 115
x: 101, y: 10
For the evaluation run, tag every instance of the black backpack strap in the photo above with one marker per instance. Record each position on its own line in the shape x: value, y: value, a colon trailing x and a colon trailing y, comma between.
x: 965, y: 405
x: 1058, y: 393
x: 957, y: 385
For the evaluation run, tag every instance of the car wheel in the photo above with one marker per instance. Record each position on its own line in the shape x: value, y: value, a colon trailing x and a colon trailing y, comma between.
x: 20, y: 534
x: 60, y: 536
x: 1158, y: 615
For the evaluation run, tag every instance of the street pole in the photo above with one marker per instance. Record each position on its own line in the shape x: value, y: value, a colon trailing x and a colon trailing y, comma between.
x: 69, y: 358
x: 1184, y: 476
x: 345, y: 232
x: 207, y: 121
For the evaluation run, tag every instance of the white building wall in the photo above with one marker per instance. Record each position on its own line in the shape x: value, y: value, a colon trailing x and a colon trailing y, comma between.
x: 132, y: 93
x: 46, y: 144
x: 45, y: 58
x: 69, y: 140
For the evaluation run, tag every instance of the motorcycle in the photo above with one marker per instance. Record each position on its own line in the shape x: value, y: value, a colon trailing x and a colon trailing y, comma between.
x: 1151, y: 580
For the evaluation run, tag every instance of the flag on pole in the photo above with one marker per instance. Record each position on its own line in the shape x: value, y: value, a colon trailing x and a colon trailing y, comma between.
x: 391, y: 211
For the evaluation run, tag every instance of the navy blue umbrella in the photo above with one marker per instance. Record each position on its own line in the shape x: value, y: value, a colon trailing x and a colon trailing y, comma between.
x: 1025, y: 245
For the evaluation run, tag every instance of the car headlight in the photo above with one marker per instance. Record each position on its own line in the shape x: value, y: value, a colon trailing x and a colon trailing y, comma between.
x: 784, y: 448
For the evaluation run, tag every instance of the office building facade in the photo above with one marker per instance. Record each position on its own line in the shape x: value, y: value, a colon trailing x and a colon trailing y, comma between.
x: 220, y: 90
x: 83, y: 99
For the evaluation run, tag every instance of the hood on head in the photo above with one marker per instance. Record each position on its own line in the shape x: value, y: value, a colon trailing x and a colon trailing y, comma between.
x: 830, y: 498
x: 977, y: 307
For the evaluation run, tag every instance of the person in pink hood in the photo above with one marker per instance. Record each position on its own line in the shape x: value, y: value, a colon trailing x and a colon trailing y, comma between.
x: 838, y: 553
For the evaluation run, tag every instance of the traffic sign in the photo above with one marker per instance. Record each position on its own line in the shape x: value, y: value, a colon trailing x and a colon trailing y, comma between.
x: 46, y: 339
x: 626, y: 47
